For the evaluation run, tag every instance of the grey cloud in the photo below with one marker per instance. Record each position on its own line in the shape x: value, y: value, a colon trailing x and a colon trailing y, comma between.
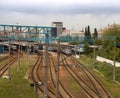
x: 67, y: 9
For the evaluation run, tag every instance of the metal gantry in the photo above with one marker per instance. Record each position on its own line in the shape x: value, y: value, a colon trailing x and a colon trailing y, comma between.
x: 23, y: 33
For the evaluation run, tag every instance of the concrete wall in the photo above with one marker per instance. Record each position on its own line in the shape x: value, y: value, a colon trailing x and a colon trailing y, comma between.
x: 101, y: 59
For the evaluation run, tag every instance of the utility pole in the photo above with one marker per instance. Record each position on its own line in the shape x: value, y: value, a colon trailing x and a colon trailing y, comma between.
x: 114, y: 70
x: 18, y: 67
x: 57, y: 68
x: 46, y: 65
x: 27, y: 48
x: 3, y: 44
x: 94, y: 54
x: 36, y: 89
x: 17, y: 31
x: 28, y: 62
x: 9, y: 61
x: 79, y: 52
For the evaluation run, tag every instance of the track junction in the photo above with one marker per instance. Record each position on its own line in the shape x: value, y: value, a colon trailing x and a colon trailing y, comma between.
x: 89, y: 86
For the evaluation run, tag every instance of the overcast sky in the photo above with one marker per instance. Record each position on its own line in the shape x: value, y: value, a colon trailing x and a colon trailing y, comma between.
x: 75, y: 14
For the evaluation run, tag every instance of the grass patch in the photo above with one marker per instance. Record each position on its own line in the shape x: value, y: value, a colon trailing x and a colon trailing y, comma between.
x: 74, y: 86
x: 104, y: 73
x: 17, y: 87
x: 3, y: 62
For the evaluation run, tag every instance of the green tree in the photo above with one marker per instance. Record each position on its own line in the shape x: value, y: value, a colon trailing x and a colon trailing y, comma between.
x: 114, y: 30
x: 108, y: 48
x: 87, y: 34
x: 95, y: 34
x: 87, y: 49
x: 108, y: 45
x: 87, y: 31
x: 98, y: 42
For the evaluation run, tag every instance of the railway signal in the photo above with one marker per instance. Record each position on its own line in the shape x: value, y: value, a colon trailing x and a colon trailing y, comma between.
x: 36, y: 85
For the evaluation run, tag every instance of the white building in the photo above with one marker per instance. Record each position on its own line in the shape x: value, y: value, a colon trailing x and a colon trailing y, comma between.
x: 59, y: 27
x: 76, y: 33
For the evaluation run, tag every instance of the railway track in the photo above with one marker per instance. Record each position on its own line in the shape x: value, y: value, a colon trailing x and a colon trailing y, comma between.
x: 37, y: 75
x: 6, y: 57
x: 102, y: 91
x: 63, y: 92
x: 79, y: 81
x: 91, y: 86
x: 4, y: 67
